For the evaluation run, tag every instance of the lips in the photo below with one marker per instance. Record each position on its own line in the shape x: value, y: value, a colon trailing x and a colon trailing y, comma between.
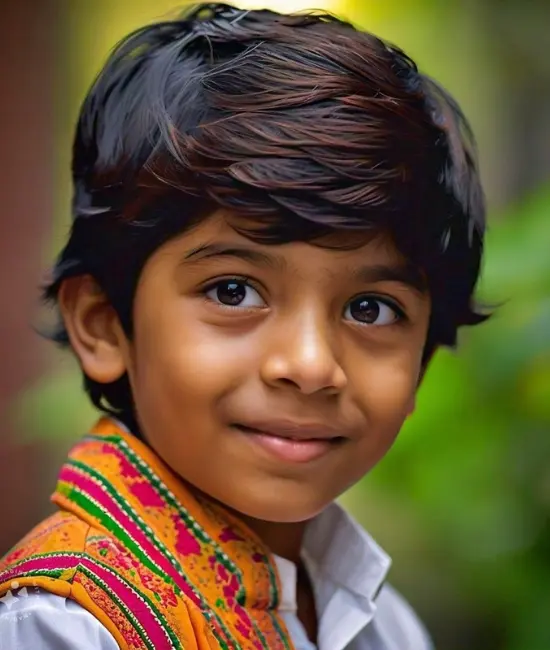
x: 290, y: 441
x: 293, y: 430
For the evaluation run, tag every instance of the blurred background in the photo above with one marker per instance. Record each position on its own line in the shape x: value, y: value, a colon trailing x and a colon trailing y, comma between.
x: 462, y: 502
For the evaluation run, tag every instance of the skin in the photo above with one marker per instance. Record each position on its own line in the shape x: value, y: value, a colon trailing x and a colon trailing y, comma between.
x: 294, y: 349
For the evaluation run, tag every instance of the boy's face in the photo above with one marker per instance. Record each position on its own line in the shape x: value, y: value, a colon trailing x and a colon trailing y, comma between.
x: 272, y: 378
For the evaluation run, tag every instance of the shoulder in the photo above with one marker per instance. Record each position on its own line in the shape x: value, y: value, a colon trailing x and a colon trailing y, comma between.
x: 61, y: 530
x: 397, y: 620
x: 54, y: 554
x: 33, y: 618
x: 63, y: 535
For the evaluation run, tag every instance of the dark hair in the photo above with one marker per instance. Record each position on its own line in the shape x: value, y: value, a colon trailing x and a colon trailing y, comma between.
x: 302, y: 122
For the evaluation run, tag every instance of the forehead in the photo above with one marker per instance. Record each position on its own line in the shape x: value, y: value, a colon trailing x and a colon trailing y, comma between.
x: 341, y: 259
x: 338, y: 250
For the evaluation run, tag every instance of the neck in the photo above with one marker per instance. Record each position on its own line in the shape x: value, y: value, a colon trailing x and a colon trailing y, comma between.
x: 283, y: 539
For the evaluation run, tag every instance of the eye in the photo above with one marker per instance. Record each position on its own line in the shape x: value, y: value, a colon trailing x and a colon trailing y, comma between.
x: 234, y: 293
x: 368, y: 310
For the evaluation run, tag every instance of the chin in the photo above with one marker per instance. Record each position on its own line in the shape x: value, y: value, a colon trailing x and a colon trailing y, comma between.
x: 280, y: 511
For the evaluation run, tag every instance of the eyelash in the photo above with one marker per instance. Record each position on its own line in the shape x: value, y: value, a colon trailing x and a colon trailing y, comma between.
x: 241, y: 279
x: 389, y: 302
x: 401, y: 315
x: 212, y: 284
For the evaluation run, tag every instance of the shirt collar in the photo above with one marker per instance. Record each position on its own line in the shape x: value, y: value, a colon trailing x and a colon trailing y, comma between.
x: 341, y: 550
x: 336, y: 549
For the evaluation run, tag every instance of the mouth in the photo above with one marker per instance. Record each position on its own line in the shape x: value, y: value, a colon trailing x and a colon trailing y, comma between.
x: 293, y: 443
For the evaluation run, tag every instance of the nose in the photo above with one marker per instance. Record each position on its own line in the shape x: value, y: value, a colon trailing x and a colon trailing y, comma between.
x: 302, y: 357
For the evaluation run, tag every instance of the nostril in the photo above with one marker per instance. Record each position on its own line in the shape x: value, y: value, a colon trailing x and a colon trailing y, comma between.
x: 288, y: 382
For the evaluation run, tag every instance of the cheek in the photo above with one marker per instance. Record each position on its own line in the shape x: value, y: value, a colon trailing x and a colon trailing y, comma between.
x: 386, y: 390
x: 187, y: 362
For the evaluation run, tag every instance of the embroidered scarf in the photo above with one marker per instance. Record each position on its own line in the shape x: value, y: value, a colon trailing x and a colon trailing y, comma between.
x: 159, y: 567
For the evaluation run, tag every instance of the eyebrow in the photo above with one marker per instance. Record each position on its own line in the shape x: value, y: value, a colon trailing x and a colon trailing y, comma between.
x: 207, y: 251
x: 405, y: 274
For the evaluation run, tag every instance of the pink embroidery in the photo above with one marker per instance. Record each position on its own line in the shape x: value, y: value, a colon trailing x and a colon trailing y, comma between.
x: 242, y: 629
x: 127, y: 470
x: 146, y: 495
x: 222, y: 572
x: 186, y: 544
x: 229, y: 535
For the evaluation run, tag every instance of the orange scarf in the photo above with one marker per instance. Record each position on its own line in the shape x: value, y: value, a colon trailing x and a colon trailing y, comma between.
x: 159, y: 567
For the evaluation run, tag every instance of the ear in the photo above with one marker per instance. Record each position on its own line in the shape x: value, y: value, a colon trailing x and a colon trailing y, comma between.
x: 94, y: 329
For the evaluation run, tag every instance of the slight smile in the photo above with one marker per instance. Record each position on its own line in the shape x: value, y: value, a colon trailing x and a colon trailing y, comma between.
x: 292, y: 442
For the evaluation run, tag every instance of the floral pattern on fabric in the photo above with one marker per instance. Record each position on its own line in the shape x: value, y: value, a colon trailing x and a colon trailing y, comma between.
x: 157, y: 566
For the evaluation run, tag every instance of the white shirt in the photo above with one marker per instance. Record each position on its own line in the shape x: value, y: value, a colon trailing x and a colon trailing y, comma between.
x: 356, y: 610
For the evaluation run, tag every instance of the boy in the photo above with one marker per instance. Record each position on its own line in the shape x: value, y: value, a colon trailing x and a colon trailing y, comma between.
x: 277, y: 221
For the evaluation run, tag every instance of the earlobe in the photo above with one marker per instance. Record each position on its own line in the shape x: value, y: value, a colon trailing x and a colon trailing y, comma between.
x: 94, y: 329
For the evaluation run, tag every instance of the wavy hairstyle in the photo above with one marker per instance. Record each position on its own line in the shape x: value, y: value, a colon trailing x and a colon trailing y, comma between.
x: 302, y: 122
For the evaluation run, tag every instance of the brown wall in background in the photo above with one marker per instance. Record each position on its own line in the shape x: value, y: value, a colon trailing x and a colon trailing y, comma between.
x: 27, y: 75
